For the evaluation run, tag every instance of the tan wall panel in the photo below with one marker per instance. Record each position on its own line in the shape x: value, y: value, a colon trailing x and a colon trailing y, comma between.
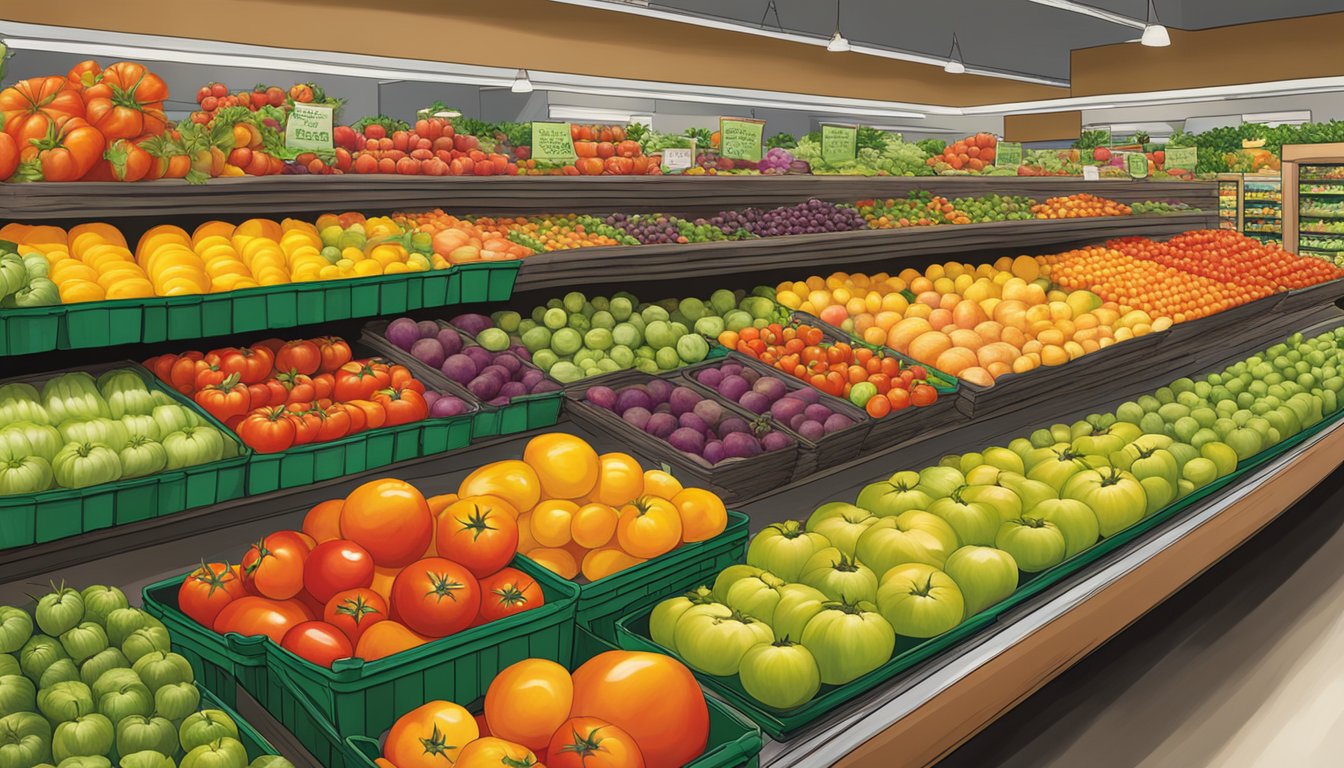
x: 1283, y: 49
x: 537, y: 34
x: 1049, y: 126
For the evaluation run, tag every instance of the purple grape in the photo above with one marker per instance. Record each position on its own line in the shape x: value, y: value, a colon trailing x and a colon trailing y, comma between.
x: 734, y: 387
x: 710, y: 377
x: 755, y: 402
x: 661, y: 425
x: 682, y: 399
x: 402, y: 332
x: 636, y: 417
x: 631, y: 397
x: 428, y: 351
x: 451, y: 341
x: 688, y: 440
x: 460, y: 368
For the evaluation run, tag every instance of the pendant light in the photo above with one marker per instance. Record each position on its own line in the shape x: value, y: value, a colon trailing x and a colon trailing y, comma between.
x: 1154, y: 34
x: 520, y: 82
x: 838, y: 43
x: 954, y: 65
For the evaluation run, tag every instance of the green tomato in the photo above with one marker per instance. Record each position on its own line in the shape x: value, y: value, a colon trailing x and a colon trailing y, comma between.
x: 17, y: 694
x: 918, y: 600
x: 1222, y: 455
x: 692, y: 348
x: 1155, y: 462
x: 127, y: 700
x: 895, y: 495
x: 9, y: 665
x: 86, y: 736
x: 20, y: 403
x: 122, y: 622
x: 1200, y: 472
x: 729, y: 576
x: 755, y: 596
x: 84, y: 641
x: 66, y: 701
x: 192, y: 446
x: 108, y: 432
x: 1113, y: 495
x: 713, y: 638
x: 38, y: 653
x: 107, y: 659
x: 25, y: 739
x: 113, y: 680
x: 223, y: 753
x: 24, y: 476
x: 145, y: 641
x: 848, y: 642
x: 663, y: 620
x: 125, y: 393
x: 975, y: 522
x: 137, y: 733
x: 911, y: 537
x: 99, y: 601
x: 16, y: 626
x: 985, y: 576
x: 1158, y: 493
x: 59, y: 611
x: 173, y: 418
x: 840, y: 577
x: 73, y: 397
x: 1029, y: 492
x: 842, y: 524
x: 142, y: 456
x: 1003, y: 500
x: 938, y: 482
x: 80, y: 465
x: 861, y: 393
x: 667, y: 359
x: 798, y: 604
x: 145, y: 759
x: 1035, y: 544
x: 61, y: 671
x: 25, y: 438
x: 176, y: 700
x: 204, y: 727
x: 1056, y: 470
x: 1075, y: 521
x: 782, y: 674
x: 158, y: 669
x: 784, y: 548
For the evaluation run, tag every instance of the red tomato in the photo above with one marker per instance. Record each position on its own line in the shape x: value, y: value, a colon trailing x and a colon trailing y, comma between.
x: 334, y: 352
x: 267, y: 430
x: 207, y: 590
x: 923, y: 394
x: 479, y: 532
x: 508, y: 592
x: 402, y: 406
x: 336, y: 566
x: 435, y: 597
x: 354, y: 611
x: 335, y: 423
x: 251, y: 615
x: 273, y: 567
x: 652, y: 697
x: 358, y: 380
x: 299, y: 356
x: 318, y: 642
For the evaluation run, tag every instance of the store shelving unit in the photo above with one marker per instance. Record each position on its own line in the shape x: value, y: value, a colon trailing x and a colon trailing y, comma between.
x: 1262, y: 208
x: 1320, y: 210
x: 1229, y: 201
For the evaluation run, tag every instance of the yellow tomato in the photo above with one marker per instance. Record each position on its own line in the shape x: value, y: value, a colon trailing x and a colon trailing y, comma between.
x: 648, y: 527
x: 513, y: 481
x: 528, y: 701
x: 491, y: 752
x: 601, y: 563
x: 703, y: 515
x: 430, y: 735
x: 552, y: 520
x: 566, y: 465
x: 593, y: 525
x: 661, y: 484
x: 555, y: 560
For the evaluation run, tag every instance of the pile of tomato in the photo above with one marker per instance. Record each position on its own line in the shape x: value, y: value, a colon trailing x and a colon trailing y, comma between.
x: 871, y: 379
x: 1230, y: 257
x: 1133, y: 281
x: 429, y: 148
x: 376, y: 573
x: 280, y: 394
x: 1079, y: 206
x: 620, y: 709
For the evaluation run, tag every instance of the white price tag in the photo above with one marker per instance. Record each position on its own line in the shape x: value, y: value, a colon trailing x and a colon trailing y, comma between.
x: 1091, y: 173
x: 678, y: 158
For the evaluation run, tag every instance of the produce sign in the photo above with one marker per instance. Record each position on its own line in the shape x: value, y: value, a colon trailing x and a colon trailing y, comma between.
x: 622, y: 709
x: 740, y: 138
x: 88, y: 679
x: 839, y: 143
x: 552, y: 143
x: 277, y: 395
x: 1009, y: 154
x: 677, y: 159
x: 822, y: 602
x: 77, y: 432
x: 1136, y: 164
x: 1185, y: 158
x: 309, y: 127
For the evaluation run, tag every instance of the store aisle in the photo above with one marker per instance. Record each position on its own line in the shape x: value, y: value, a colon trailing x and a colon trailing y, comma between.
x: 1245, y: 667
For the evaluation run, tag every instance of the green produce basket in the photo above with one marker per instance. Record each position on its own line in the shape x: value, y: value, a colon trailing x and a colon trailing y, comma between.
x: 484, y: 281
x: 29, y: 330
x: 255, y: 744
x: 64, y: 512
x: 364, y: 697
x: 734, y: 742
x: 632, y: 630
x: 640, y: 587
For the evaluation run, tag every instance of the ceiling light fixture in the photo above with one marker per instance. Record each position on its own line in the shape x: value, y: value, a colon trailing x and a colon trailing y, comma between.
x: 1154, y: 34
x: 521, y: 84
x: 837, y: 43
x: 955, y: 65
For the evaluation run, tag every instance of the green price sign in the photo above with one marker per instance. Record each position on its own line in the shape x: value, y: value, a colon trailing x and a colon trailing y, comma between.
x: 740, y: 138
x: 1185, y: 158
x: 839, y: 143
x: 1137, y: 165
x: 309, y: 127
x: 552, y: 143
x: 1008, y: 154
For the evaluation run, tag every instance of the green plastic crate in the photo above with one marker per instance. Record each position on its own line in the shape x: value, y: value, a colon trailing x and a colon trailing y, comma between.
x: 29, y: 331
x: 359, y: 697
x: 486, y: 281
x: 632, y: 630
x: 64, y: 512
x: 734, y: 742
x: 255, y: 744
x: 640, y: 587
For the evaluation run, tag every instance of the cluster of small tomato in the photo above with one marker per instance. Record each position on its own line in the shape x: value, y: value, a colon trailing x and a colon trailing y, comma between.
x: 278, y: 394
x: 429, y: 148
x: 212, y: 97
x: 873, y: 380
x: 376, y: 573
x: 1231, y: 257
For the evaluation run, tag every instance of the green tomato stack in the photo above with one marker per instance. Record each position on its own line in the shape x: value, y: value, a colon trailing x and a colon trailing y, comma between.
x: 86, y: 681
x: 78, y: 432
x: 24, y: 282
x: 822, y: 602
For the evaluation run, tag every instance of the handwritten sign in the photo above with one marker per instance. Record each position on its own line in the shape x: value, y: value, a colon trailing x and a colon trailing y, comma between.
x: 839, y: 143
x: 1137, y: 165
x: 678, y: 159
x: 740, y: 138
x: 1185, y: 158
x: 1008, y: 154
x: 309, y: 127
x: 1091, y: 173
x: 552, y: 143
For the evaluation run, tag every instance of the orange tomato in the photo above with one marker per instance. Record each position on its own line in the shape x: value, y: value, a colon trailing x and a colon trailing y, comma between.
x: 648, y: 527
x: 429, y: 736
x: 512, y: 480
x: 382, y: 581
x: 601, y: 563
x: 661, y: 484
x: 567, y: 465
x: 555, y: 560
x: 552, y: 521
x: 390, y: 519
x: 323, y: 521
x: 593, y: 525
x: 385, y: 638
x: 491, y: 752
x: 620, y: 478
x: 528, y: 700
x: 478, y: 533
x: 703, y: 515
x: 587, y: 742
x: 439, y: 503
x: 652, y: 697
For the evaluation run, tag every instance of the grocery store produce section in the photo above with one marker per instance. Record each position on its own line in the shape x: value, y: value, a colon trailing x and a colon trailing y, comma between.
x: 594, y: 471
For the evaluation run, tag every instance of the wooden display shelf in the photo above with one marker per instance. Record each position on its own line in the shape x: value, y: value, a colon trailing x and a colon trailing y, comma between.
x: 681, y: 195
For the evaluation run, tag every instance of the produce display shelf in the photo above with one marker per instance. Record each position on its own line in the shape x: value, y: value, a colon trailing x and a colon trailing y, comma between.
x: 777, y: 255
x: 681, y: 195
